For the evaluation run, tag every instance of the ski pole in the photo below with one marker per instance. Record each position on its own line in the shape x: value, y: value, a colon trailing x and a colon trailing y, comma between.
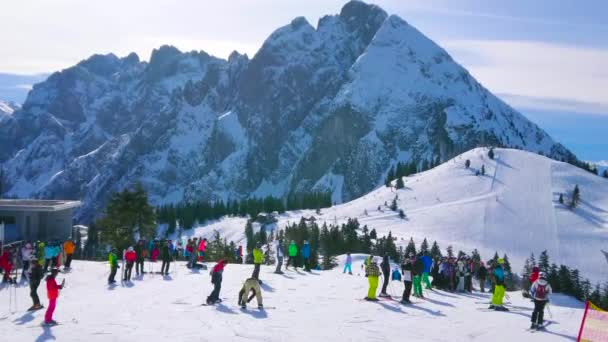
x: 549, y: 311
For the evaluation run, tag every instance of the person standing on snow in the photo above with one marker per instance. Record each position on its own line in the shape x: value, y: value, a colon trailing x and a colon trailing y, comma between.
x: 140, y: 253
x: 130, y: 258
x: 216, y: 280
x: 40, y: 248
x: 460, y: 275
x: 68, y: 248
x: 436, y: 274
x: 258, y: 259
x: 406, y: 271
x: 348, y: 264
x: 499, y: 287
x: 306, y: 256
x: 482, y: 273
x: 53, y: 293
x: 35, y: 279
x: 27, y: 256
x: 250, y: 285
x: 166, y: 256
x: 417, y: 272
x: 540, y: 292
x: 113, y: 260
x: 279, y: 254
x: 202, y: 246
x: 293, y: 253
x: 427, y: 261
x: 6, y: 262
x: 239, y: 255
x: 385, y: 266
x: 373, y: 272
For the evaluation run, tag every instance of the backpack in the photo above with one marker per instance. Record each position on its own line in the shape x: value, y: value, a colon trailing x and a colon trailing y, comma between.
x: 540, y: 292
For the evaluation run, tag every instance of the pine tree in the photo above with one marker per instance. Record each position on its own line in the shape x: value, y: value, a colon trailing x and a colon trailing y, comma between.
x: 553, y: 277
x: 475, y: 257
x: 436, y: 251
x: 393, y: 206
x: 491, y: 153
x: 373, y: 235
x: 527, y: 270
x: 561, y: 198
x: 543, y: 261
x: 250, y: 242
x: 532, y: 260
x: 467, y: 164
x: 400, y: 184
x: 424, y: 247
x: 401, y: 214
x: 450, y: 251
x: 495, y: 258
x: 510, y: 283
x: 411, y: 248
x: 483, y: 170
x: 576, y: 197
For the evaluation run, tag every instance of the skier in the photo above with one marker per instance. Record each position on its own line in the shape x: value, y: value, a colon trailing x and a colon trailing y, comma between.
x: 35, y: 278
x: 540, y: 292
x: 155, y: 250
x: 460, y: 270
x: 193, y: 252
x: 396, y: 275
x: 279, y: 253
x: 418, y: 268
x: 427, y: 261
x: 201, y: 249
x: 216, y: 280
x: 6, y: 262
x: 165, y: 255
x: 140, y: 253
x: 53, y: 293
x: 385, y: 266
x: 468, y: 275
x: 306, y: 256
x: 499, y: 287
x: 347, y: 264
x: 258, y: 259
x: 482, y: 273
x: 68, y: 249
x: 239, y: 255
x: 27, y: 254
x: 48, y: 256
x: 373, y: 272
x: 130, y: 257
x: 293, y: 253
x: 437, y: 281
x: 113, y: 259
x: 406, y: 270
x: 250, y: 285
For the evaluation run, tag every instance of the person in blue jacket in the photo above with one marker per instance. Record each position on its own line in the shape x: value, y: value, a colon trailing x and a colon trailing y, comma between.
x: 306, y: 256
x: 428, y: 263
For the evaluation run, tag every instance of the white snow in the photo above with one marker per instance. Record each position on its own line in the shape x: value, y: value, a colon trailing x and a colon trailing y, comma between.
x: 320, y: 306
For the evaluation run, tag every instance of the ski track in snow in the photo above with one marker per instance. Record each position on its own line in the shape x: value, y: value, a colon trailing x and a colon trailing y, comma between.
x: 309, y: 307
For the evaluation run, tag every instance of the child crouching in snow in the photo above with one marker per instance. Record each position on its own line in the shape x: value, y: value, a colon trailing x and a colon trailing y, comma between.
x: 52, y: 292
x: 250, y: 285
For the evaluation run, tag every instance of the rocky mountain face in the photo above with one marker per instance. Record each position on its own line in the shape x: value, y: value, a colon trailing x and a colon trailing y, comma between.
x: 328, y: 108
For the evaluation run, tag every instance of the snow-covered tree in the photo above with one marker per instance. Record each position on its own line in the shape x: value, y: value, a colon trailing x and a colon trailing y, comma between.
x: 435, y: 251
x: 411, y: 248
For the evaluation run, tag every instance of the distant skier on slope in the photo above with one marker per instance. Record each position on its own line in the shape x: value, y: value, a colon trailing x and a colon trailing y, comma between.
x: 499, y: 287
x: 306, y: 256
x: 386, y: 272
x: 216, y: 279
x: 250, y: 285
x: 279, y: 253
x: 348, y: 264
x: 373, y: 272
x: 293, y: 253
x: 52, y: 293
x: 540, y: 292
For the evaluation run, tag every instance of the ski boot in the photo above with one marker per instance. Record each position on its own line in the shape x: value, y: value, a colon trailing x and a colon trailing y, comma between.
x: 260, y: 306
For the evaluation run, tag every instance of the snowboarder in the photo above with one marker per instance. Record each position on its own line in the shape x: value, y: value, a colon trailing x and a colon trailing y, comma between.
x: 418, y: 268
x: 306, y: 256
x: 540, y: 292
x: 386, y: 271
x: 140, y: 253
x: 258, y: 259
x: 293, y: 253
x: 279, y: 254
x: 130, y: 257
x: 482, y: 273
x: 406, y: 270
x: 427, y: 261
x: 166, y: 256
x: 499, y: 287
x: 216, y: 280
x: 250, y: 285
x: 35, y: 278
x: 68, y: 248
x: 373, y: 272
x: 53, y: 293
x: 113, y: 260
x: 347, y: 264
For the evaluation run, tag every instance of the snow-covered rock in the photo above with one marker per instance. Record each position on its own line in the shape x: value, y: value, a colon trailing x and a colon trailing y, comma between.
x: 330, y: 108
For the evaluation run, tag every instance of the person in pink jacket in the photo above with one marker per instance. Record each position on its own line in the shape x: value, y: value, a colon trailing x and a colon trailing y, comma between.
x: 52, y: 289
x: 201, y: 249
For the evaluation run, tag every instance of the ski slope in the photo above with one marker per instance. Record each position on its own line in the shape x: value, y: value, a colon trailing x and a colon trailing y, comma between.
x: 512, y: 209
x: 324, y: 305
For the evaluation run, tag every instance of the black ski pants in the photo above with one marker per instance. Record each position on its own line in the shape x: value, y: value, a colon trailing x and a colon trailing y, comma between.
x: 407, y: 290
x: 128, y: 270
x: 34, y: 291
x: 68, y: 261
x: 539, y: 311
x: 139, y: 266
x: 256, y: 271
x: 113, y: 270
x: 164, y: 269
x: 385, y: 283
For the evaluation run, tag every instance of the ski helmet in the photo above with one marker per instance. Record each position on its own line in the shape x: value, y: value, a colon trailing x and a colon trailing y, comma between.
x: 542, y: 275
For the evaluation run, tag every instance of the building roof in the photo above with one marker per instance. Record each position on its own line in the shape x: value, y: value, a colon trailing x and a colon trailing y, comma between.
x: 36, y: 205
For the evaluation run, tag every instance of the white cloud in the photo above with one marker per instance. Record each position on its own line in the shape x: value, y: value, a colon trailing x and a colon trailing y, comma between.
x: 538, y: 75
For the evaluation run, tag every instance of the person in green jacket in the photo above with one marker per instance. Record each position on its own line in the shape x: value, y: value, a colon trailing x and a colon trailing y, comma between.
x: 40, y: 253
x: 293, y: 253
x: 258, y: 259
x: 113, y: 259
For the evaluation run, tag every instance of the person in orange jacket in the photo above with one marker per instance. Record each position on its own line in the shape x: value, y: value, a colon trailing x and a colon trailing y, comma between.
x: 68, y: 248
x: 52, y: 289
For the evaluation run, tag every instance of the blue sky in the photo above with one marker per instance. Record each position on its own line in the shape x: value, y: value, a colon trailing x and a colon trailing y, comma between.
x: 548, y: 59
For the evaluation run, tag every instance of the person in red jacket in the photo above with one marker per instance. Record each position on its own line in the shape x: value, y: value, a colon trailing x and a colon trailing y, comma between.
x: 201, y: 249
x: 52, y: 289
x: 534, y: 275
x: 6, y: 262
x: 216, y: 280
x: 130, y: 257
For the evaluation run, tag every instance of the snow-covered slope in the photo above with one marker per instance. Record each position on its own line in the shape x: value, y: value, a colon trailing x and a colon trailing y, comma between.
x: 513, y: 209
x: 328, y: 108
x: 301, y: 307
